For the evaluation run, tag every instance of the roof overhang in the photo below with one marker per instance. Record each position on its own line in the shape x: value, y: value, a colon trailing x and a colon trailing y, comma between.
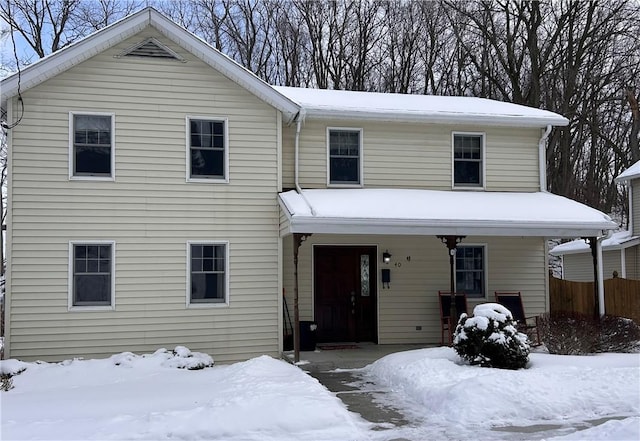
x: 632, y: 172
x: 431, y: 212
x: 444, y: 118
x: 411, y: 108
x: 121, y: 30
x: 580, y: 246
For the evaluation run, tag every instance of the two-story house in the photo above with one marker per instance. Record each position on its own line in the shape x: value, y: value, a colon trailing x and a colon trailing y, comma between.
x: 620, y: 251
x: 157, y: 188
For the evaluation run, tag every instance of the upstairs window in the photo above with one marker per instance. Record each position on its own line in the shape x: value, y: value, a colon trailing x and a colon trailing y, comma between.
x: 208, y: 273
x: 468, y: 157
x: 92, y: 274
x: 207, y: 140
x: 470, y: 270
x: 345, y: 156
x: 91, y: 146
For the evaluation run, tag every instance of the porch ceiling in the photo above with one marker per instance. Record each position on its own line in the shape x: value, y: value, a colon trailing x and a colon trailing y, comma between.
x: 432, y: 212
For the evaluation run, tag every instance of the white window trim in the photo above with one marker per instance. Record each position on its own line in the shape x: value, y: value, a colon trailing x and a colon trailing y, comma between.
x: 485, y: 256
x: 483, y: 152
x: 72, y: 177
x: 187, y: 127
x: 112, y: 306
x: 224, y: 304
x: 360, y: 153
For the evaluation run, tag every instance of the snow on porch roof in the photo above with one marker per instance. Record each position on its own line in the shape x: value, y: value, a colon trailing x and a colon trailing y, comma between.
x: 617, y: 241
x: 630, y: 173
x: 324, y: 103
x: 432, y: 212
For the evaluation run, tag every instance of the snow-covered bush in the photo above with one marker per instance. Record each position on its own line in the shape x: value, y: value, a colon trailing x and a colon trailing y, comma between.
x: 490, y: 338
x: 572, y: 333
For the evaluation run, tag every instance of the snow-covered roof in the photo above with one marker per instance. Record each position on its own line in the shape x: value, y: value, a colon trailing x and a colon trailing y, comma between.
x: 119, y: 31
x: 425, y: 108
x: 433, y: 212
x: 630, y: 173
x: 619, y: 240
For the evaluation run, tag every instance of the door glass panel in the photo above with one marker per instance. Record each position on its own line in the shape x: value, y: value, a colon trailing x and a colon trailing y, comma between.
x: 364, y: 275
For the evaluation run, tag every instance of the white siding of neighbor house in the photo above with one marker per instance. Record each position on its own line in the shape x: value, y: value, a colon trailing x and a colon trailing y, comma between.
x: 635, y: 206
x: 632, y: 257
x: 579, y: 267
x: 413, y: 155
x: 149, y: 211
x: 419, y: 269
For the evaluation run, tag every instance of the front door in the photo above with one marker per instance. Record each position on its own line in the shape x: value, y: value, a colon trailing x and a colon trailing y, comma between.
x: 345, y: 293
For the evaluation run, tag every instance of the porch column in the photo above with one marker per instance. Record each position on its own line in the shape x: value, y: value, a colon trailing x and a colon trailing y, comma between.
x: 593, y: 244
x: 452, y: 243
x: 298, y: 238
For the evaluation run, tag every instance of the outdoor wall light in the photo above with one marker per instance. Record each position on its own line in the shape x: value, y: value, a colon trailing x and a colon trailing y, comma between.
x: 386, y: 257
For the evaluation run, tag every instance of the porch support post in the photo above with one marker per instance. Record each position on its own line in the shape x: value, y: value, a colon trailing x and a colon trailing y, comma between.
x: 593, y: 244
x: 452, y: 243
x: 298, y: 238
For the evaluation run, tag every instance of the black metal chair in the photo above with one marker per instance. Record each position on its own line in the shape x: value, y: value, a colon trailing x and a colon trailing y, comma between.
x: 512, y: 300
x: 446, y: 324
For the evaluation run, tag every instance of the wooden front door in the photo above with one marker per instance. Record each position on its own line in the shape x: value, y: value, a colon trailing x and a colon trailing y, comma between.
x: 345, y: 293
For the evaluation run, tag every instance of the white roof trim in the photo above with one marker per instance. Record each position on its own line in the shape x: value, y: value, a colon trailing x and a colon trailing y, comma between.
x: 432, y: 212
x: 344, y: 104
x: 630, y: 173
x: 620, y: 240
x: 119, y: 31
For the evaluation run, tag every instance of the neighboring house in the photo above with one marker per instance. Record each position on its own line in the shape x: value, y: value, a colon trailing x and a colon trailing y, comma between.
x: 620, y: 252
x: 155, y: 194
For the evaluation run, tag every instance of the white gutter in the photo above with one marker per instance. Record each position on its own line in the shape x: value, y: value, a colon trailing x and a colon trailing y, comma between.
x: 623, y: 263
x: 299, y: 120
x: 542, y: 158
x: 601, y: 272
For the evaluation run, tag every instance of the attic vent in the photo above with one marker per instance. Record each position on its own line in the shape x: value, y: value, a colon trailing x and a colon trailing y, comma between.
x: 150, y: 48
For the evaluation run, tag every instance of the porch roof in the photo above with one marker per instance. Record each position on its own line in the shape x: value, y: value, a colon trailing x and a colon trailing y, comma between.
x: 434, y: 212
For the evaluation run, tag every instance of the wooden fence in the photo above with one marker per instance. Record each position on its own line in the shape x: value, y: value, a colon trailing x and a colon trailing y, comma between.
x: 621, y: 297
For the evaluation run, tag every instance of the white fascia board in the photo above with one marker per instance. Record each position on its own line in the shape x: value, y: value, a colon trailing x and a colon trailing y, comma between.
x: 485, y: 120
x: 70, y: 56
x: 442, y: 227
x: 621, y: 246
x: 225, y: 65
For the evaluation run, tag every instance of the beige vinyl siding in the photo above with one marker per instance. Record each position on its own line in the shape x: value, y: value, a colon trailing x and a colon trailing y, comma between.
x: 405, y: 155
x: 150, y: 211
x: 419, y: 269
x: 579, y: 267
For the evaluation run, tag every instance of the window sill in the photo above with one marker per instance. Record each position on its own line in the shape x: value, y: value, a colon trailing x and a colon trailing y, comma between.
x: 91, y: 308
x: 468, y: 188
x: 92, y: 178
x: 345, y: 185
x: 208, y: 180
x: 207, y: 305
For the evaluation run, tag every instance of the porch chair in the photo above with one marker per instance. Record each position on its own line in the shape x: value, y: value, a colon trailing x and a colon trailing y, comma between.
x: 512, y: 300
x: 446, y: 324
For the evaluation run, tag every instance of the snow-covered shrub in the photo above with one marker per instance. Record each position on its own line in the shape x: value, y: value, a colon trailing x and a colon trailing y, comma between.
x: 490, y: 338
x: 618, y: 334
x: 569, y: 333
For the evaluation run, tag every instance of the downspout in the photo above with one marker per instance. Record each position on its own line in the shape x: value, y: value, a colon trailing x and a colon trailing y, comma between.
x: 542, y: 158
x: 299, y: 120
x: 607, y: 235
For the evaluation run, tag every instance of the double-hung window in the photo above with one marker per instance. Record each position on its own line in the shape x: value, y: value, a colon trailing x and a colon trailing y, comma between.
x: 207, y: 149
x: 468, y: 160
x: 91, y: 146
x: 345, y: 156
x: 208, y: 273
x: 471, y: 270
x: 92, y: 274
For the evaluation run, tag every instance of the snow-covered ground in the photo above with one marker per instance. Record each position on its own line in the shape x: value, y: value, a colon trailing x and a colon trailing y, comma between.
x: 130, y: 396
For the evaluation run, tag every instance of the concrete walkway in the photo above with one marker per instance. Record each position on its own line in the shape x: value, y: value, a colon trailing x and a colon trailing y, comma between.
x: 328, y: 367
